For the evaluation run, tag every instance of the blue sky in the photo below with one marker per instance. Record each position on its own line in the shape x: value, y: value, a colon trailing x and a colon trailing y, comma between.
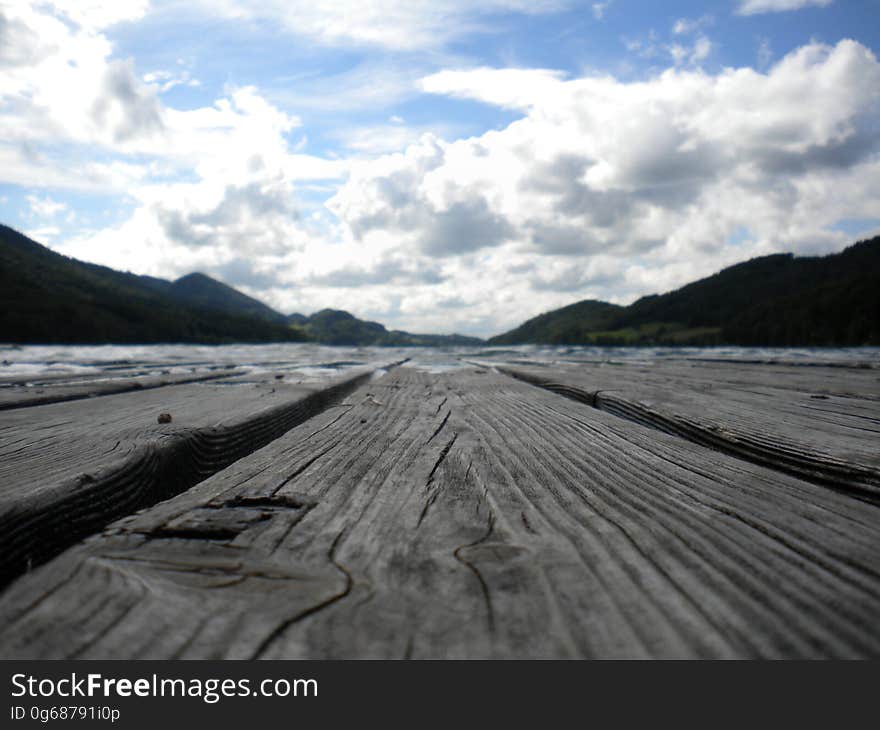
x: 439, y: 166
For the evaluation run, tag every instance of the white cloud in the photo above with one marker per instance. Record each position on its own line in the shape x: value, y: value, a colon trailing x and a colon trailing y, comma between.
x: 45, y: 207
x: 380, y: 138
x: 702, y: 49
x: 685, y: 26
x: 212, y: 188
x: 601, y: 188
x: 678, y: 53
x: 410, y: 25
x: 203, y: 226
x: 43, y: 233
x: 599, y: 9
x: 370, y: 85
x: 613, y: 189
x: 98, y: 14
x: 167, y: 80
x: 238, y: 217
x: 694, y: 54
x: 73, y: 92
x: 65, y: 87
x: 765, y: 53
x: 753, y: 7
x: 510, y: 88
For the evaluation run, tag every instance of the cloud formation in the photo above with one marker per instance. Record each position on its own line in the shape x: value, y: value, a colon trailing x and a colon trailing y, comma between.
x: 99, y: 14
x: 207, y: 187
x: 653, y: 179
x: 754, y: 7
x: 390, y: 24
x: 600, y: 187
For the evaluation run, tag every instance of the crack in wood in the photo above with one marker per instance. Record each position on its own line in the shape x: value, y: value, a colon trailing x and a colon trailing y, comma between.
x: 434, y: 492
x: 432, y: 497
x: 484, y: 586
x: 440, y: 427
x: 443, y: 454
x: 284, y: 625
x: 554, y: 531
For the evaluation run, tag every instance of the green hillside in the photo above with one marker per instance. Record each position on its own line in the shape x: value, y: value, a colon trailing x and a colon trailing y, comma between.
x: 199, y: 290
x: 566, y: 326
x: 337, y: 327
x: 52, y: 299
x: 49, y: 298
x: 779, y: 300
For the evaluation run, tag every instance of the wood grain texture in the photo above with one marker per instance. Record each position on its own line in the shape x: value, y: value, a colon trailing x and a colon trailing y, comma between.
x: 35, y: 391
x: 821, y: 424
x: 467, y: 515
x: 67, y: 469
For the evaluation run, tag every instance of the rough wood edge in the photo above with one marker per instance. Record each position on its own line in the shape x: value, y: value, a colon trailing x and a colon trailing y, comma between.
x: 856, y: 480
x: 122, y: 386
x: 35, y: 529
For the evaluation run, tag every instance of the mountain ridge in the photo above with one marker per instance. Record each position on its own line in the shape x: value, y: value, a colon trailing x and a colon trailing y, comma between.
x: 777, y: 300
x: 338, y: 327
x: 201, y: 290
x: 49, y: 298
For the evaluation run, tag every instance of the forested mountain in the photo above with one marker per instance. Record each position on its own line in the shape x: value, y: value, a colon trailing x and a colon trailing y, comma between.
x: 337, y: 327
x: 200, y: 290
x: 779, y: 300
x: 573, y: 323
x: 49, y: 298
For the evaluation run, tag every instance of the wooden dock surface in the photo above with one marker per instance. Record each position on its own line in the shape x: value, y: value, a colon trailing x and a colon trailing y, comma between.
x: 23, y: 392
x: 819, y: 423
x: 69, y: 468
x: 472, y: 514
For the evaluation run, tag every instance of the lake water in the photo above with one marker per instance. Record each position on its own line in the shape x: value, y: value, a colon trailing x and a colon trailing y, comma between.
x: 58, y: 361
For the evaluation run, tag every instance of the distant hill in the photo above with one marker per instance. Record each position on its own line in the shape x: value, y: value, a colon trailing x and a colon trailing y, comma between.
x: 573, y: 323
x: 779, y: 300
x: 337, y: 327
x: 202, y: 291
x: 49, y: 298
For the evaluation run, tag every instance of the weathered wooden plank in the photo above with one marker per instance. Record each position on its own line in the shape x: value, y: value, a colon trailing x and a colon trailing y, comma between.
x: 821, y: 424
x: 67, y: 469
x: 859, y: 380
x: 27, y: 392
x: 467, y: 515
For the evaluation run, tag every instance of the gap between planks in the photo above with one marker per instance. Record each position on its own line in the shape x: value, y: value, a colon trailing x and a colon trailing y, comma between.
x: 467, y: 515
x: 67, y: 480
x: 833, y: 453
